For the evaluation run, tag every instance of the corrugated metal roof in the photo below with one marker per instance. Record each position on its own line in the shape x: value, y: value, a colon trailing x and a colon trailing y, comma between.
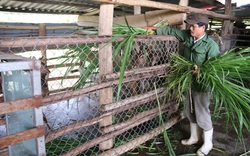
x: 82, y: 6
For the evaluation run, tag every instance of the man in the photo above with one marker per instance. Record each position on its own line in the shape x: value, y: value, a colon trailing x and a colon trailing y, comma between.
x: 198, y: 48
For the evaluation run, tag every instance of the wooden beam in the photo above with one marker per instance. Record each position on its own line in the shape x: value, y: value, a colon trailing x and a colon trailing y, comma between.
x: 184, y: 15
x: 105, y: 64
x: 17, y: 105
x: 160, y: 5
x: 226, y: 23
x: 141, y: 139
x: 21, y: 136
x: 227, y: 27
x: 42, y: 32
x: 141, y: 20
x: 80, y: 124
x: 25, y: 42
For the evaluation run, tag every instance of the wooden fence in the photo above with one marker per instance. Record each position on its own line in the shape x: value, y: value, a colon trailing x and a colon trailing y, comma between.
x: 135, y: 109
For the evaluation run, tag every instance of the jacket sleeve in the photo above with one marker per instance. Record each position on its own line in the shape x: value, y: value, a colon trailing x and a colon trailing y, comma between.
x: 182, y: 35
x: 213, y: 50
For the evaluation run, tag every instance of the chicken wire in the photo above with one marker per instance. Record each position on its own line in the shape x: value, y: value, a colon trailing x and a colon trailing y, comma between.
x: 71, y: 86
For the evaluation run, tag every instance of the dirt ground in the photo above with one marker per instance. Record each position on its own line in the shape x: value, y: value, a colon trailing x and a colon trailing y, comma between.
x: 225, y: 141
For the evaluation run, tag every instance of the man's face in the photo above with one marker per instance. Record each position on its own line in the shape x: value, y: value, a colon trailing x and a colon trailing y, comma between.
x: 196, y: 30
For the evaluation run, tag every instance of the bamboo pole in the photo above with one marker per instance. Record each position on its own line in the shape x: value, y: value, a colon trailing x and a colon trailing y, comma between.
x: 105, y: 64
x: 142, y: 139
x: 65, y: 129
x: 160, y: 5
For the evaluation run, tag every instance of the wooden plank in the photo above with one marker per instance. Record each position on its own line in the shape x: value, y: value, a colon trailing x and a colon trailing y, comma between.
x: 103, y: 138
x: 17, y: 105
x: 139, y: 20
x: 115, y: 105
x: 105, y: 64
x: 142, y: 139
x: 161, y: 5
x: 51, y: 41
x: 35, y: 27
x: 42, y: 32
x: 76, y: 93
x: 139, y: 118
x: 21, y: 136
x: 65, y: 129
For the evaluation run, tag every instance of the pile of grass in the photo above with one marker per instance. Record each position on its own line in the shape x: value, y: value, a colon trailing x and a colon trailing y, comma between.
x: 225, y: 76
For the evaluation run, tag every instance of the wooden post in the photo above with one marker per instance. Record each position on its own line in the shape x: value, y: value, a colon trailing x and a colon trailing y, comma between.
x: 105, y: 64
x: 227, y: 27
x: 42, y: 32
x: 184, y: 15
x: 184, y: 25
x: 137, y: 10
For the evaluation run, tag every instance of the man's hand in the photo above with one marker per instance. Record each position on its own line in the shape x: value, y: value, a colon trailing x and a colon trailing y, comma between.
x: 151, y: 30
x: 195, y: 70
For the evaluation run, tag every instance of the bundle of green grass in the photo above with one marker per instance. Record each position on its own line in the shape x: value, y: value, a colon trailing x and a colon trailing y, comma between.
x: 225, y: 76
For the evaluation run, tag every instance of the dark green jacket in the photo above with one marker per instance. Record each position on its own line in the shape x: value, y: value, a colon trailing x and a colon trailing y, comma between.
x: 197, y: 53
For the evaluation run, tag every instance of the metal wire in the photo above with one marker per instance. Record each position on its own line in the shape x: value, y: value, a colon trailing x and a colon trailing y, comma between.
x: 71, y: 86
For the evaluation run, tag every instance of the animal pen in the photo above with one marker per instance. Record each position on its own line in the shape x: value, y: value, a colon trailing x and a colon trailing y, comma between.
x: 73, y: 116
x: 84, y: 108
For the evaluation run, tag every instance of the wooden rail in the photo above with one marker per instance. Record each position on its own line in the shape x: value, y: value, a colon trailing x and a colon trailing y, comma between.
x: 22, y: 136
x: 17, y: 105
x: 174, y: 7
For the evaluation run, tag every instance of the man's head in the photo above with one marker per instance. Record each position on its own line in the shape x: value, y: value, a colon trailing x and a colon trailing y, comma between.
x: 198, y: 24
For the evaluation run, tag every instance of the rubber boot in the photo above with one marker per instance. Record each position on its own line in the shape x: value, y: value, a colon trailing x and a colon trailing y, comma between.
x: 194, y: 136
x: 208, y: 144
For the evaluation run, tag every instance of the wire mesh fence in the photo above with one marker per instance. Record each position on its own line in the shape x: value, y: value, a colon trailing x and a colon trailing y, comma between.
x: 72, y: 87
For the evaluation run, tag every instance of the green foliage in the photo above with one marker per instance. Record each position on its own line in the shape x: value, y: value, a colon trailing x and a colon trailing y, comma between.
x: 166, y: 138
x: 87, y: 54
x: 224, y: 76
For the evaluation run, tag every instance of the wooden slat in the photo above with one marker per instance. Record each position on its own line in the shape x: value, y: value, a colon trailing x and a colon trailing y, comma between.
x: 141, y: 20
x: 17, y: 105
x: 142, y: 139
x: 51, y: 41
x: 21, y: 136
x: 34, y: 27
x: 105, y: 64
x: 160, y: 5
